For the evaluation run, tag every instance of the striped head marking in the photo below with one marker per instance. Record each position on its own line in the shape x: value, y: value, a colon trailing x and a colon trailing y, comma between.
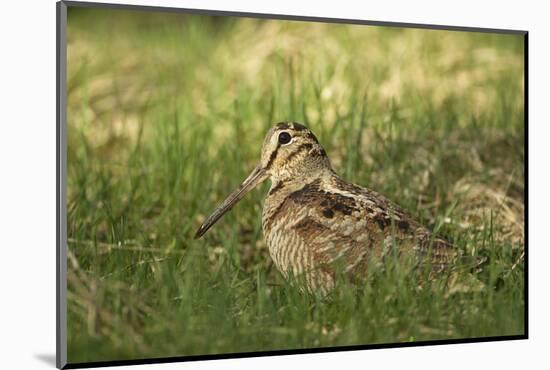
x: 290, y: 152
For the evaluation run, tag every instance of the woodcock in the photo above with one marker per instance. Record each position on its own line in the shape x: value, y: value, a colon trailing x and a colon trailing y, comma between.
x: 317, y: 225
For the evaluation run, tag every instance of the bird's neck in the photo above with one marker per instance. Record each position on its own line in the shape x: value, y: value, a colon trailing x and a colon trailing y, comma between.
x: 283, y: 187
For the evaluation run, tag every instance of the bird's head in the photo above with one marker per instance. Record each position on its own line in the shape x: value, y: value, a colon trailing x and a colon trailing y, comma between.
x: 290, y: 152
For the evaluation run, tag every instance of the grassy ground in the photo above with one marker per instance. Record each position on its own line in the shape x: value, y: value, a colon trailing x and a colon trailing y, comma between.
x: 166, y: 115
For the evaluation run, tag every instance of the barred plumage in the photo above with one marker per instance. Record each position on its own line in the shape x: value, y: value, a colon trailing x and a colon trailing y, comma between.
x: 316, y: 224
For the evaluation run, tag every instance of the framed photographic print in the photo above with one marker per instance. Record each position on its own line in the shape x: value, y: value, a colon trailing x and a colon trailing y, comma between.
x: 234, y: 184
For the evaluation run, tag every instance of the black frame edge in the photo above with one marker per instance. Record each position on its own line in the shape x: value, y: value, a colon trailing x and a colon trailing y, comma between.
x: 61, y: 154
x: 526, y: 180
x: 161, y: 360
x: 287, y: 17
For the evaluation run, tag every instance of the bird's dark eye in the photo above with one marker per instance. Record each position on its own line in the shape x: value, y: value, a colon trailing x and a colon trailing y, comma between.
x: 284, y: 138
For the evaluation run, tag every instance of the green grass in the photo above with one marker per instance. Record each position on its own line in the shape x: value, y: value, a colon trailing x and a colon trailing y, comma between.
x: 166, y: 115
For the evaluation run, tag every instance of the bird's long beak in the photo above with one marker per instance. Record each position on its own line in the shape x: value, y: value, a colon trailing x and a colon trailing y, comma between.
x: 256, y: 176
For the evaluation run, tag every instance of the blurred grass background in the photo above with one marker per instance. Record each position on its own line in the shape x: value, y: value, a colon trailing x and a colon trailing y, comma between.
x: 166, y: 115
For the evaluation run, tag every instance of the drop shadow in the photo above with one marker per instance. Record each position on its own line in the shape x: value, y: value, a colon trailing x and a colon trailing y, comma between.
x: 47, y: 358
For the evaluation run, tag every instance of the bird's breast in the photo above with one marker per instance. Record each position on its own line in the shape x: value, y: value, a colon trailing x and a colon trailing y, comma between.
x: 289, y: 251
